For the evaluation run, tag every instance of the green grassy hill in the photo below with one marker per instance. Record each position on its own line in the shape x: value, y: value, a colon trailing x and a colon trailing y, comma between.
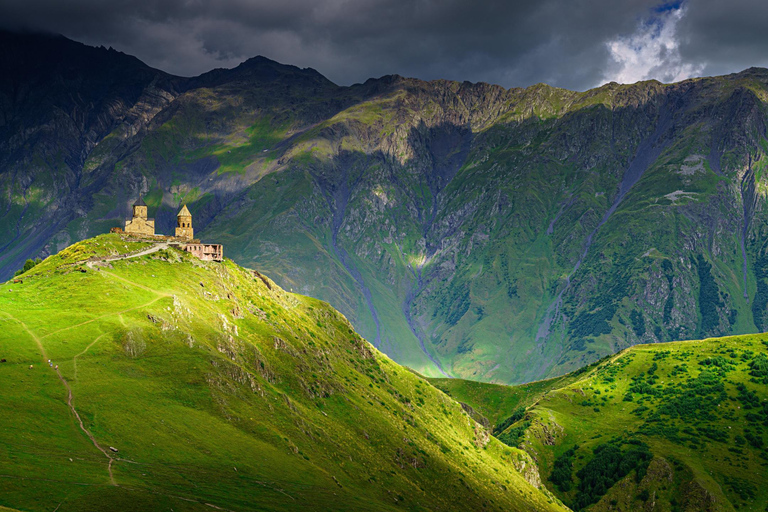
x: 185, y: 385
x: 669, y: 427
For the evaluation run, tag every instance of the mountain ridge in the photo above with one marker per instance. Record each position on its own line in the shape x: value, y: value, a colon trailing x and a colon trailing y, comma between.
x: 445, y: 219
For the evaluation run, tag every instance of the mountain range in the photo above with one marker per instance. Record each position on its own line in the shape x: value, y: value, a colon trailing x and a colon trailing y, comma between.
x: 466, y: 230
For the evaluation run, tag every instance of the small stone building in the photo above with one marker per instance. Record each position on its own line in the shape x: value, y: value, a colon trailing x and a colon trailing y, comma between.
x: 140, y: 223
x: 206, y: 252
x: 184, y: 236
x: 184, y: 224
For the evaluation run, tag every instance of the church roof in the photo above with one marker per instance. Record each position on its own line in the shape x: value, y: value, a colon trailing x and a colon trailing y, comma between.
x: 140, y: 202
x: 184, y: 212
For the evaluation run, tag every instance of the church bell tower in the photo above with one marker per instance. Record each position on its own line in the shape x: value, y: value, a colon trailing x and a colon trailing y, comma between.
x: 140, y: 209
x: 184, y: 224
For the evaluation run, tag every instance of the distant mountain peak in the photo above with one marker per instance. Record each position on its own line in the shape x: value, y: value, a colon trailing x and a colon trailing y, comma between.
x: 261, y: 69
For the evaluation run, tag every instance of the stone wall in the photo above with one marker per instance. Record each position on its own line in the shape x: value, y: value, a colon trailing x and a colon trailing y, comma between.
x: 140, y: 225
x: 185, y: 232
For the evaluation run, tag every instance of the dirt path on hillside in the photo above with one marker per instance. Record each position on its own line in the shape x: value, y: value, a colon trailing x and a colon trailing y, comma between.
x: 70, y: 398
x: 155, y: 248
x: 159, y: 246
x: 162, y: 296
x: 74, y: 359
x: 71, y: 404
x: 107, y: 454
x: 132, y: 283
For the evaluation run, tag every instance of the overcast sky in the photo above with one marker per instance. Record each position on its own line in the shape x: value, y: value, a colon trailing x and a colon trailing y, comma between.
x: 575, y: 44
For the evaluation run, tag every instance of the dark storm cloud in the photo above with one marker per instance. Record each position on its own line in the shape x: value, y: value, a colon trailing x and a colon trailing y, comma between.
x: 561, y: 42
x: 725, y: 36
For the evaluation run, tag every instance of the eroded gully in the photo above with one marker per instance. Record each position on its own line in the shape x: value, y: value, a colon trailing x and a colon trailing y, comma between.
x: 748, y: 199
x: 647, y: 152
x: 338, y: 203
x: 443, y: 175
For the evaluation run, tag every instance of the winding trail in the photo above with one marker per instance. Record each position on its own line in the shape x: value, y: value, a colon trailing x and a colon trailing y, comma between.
x: 159, y: 246
x: 70, y: 398
x: 137, y: 285
x: 71, y: 404
x: 74, y: 359
x: 106, y: 315
x: 160, y: 295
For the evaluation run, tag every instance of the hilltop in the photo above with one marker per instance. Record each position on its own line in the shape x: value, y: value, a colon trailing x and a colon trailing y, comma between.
x: 185, y: 384
x: 670, y: 427
x: 504, y: 235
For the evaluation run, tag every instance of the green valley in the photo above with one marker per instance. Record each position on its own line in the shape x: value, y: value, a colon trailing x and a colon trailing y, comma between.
x: 676, y: 427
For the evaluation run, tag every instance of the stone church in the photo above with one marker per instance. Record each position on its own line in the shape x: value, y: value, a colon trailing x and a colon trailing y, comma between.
x: 140, y: 223
x: 184, y: 237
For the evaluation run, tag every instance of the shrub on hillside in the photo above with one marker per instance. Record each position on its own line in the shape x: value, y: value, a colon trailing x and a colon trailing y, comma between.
x: 758, y: 367
x: 28, y: 265
x: 638, y: 323
x: 609, y: 465
x: 709, y: 298
x: 516, y: 416
x: 512, y: 436
x: 562, y: 470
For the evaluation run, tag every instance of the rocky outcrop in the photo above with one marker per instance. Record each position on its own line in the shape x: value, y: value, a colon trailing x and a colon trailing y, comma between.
x: 526, y: 466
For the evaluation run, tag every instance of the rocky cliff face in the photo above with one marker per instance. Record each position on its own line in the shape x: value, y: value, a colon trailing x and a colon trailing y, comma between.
x: 465, y: 229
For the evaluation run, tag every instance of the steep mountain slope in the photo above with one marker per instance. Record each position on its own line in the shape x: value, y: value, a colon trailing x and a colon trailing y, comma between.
x: 679, y: 426
x: 465, y: 229
x: 58, y: 100
x: 180, y: 384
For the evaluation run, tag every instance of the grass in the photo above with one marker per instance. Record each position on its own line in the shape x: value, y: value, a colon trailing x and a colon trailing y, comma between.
x: 216, y: 386
x: 698, y: 406
x: 497, y: 401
